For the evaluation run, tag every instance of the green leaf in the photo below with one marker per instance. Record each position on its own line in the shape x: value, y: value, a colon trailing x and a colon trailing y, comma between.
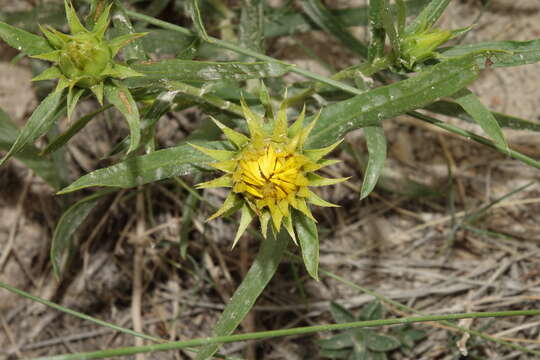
x: 39, y: 123
x: 188, y: 70
x: 429, y: 16
x: 43, y: 167
x: 252, y: 25
x: 118, y: 95
x: 474, y: 107
x: 24, y: 41
x: 495, y: 54
x: 369, y: 108
x: 70, y: 221
x: 256, y: 279
x: 195, y: 13
x: 390, y: 29
x: 452, y: 109
x: 308, y: 237
x: 139, y: 170
x: 161, y: 42
x: 376, y: 28
x: 331, y: 24
x: 376, y: 145
x: 340, y: 314
x: 381, y: 343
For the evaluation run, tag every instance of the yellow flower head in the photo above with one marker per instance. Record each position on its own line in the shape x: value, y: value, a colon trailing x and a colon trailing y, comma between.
x: 270, y: 172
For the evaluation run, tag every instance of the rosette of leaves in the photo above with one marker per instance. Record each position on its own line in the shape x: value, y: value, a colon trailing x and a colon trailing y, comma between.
x: 365, y: 343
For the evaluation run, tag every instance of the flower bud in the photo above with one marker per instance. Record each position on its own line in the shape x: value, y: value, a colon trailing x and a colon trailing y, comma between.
x: 418, y: 47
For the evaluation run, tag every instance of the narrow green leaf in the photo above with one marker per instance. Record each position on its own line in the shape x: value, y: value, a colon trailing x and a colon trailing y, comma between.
x: 245, y: 219
x: 495, y: 54
x: 369, y: 108
x: 261, y: 272
x: 72, y: 99
x: 376, y: 28
x: 195, y: 13
x: 24, y: 41
x: 474, y: 107
x: 452, y: 109
x: 70, y: 221
x: 308, y: 237
x: 429, y: 15
x: 118, y: 95
x: 39, y: 123
x: 139, y: 170
x: 41, y: 166
x: 376, y: 145
x: 189, y: 70
x: 338, y: 342
x: 330, y: 23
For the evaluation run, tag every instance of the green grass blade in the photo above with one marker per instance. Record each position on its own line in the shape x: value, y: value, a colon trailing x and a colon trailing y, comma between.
x: 261, y: 272
x: 483, y: 117
x: 449, y: 108
x: 187, y: 70
x: 195, y: 13
x: 118, y: 95
x: 23, y: 41
x: 70, y: 221
x: 43, y: 117
x: 384, y: 102
x: 308, y: 239
x: 139, y: 170
x: 376, y: 145
x: 428, y: 16
x: 327, y: 21
x: 494, y: 54
x: 42, y: 167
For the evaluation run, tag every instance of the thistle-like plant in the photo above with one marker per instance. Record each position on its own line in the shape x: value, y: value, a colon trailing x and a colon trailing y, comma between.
x: 84, y: 59
x: 270, y: 173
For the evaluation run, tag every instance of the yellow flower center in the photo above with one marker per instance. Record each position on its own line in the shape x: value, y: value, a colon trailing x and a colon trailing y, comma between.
x: 268, y: 175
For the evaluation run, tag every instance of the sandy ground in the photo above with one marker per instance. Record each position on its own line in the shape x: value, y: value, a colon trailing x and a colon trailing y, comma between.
x: 396, y: 245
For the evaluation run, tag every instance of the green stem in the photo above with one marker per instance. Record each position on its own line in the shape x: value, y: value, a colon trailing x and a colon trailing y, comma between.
x: 286, y: 332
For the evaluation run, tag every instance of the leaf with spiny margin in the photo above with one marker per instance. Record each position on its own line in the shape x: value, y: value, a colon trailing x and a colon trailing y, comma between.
x: 245, y: 219
x: 49, y: 74
x: 102, y: 23
x: 308, y: 237
x: 261, y: 272
x: 298, y: 124
x: 253, y: 120
x: 266, y: 100
x: 70, y: 221
x: 118, y: 95
x: 231, y: 202
x: 39, y: 123
x: 376, y: 145
x: 238, y: 139
x: 474, y: 107
x: 24, y: 41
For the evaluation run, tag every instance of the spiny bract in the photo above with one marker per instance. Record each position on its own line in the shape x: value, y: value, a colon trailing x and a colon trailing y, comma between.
x: 269, y: 172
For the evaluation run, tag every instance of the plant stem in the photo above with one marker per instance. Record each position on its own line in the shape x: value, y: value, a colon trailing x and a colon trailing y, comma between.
x: 286, y: 332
